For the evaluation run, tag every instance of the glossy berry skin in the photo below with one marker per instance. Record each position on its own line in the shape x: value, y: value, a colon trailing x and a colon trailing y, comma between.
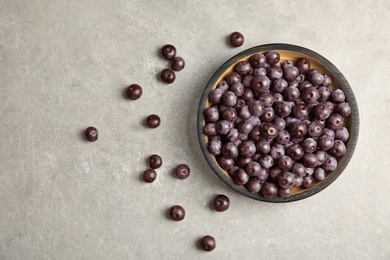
x: 269, y: 190
x: 272, y: 57
x: 153, y: 121
x: 263, y: 146
x: 168, y: 76
x: 221, y: 203
x: 223, y: 127
x: 241, y: 177
x: 282, y: 109
x: 316, y: 79
x: 309, y: 160
x: 323, y: 94
x: 291, y: 73
x: 319, y: 174
x: 229, y: 114
x: 238, y: 89
x: 277, y: 151
x: 209, y: 129
x: 261, y: 84
x: 295, y: 152
x: 285, y: 180
x: 225, y: 163
x: 291, y: 93
x: 91, y: 134
x: 307, y: 182
x: 243, y: 67
x: 232, y: 78
x: 298, y: 169
x: 325, y: 143
x: 309, y: 145
x: 269, y: 131
x: 177, y: 64
x: 168, y: 51
x: 338, y: 149
x: 247, y: 149
x: 266, y: 161
x: 298, y: 130
x: 258, y: 60
x: 246, y: 126
x: 285, y: 163
x: 314, y: 129
x: 134, y: 92
x: 280, y: 123
x: 207, y: 243
x: 342, y: 134
x: 236, y: 39
x: 330, y: 133
x: 327, y: 81
x: 279, y: 85
x: 275, y: 72
x: 337, y: 96
x: 182, y: 171
x: 283, y: 137
x: 229, y: 99
x: 335, y: 121
x: 155, y: 161
x: 149, y: 175
x: 253, y: 168
x: 253, y: 185
x: 310, y: 95
x: 300, y: 111
x: 268, y: 114
x: 215, y: 96
x: 230, y: 150
x: 321, y: 156
x: 285, y: 193
x: 256, y: 108
x: 215, y: 147
x: 177, y: 213
x: 343, y: 109
x: 303, y: 65
x: 330, y: 164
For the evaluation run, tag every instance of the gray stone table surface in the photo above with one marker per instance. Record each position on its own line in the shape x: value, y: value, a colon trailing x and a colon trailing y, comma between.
x: 64, y: 66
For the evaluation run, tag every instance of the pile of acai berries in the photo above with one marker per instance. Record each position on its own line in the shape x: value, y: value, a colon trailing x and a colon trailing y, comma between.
x: 276, y: 125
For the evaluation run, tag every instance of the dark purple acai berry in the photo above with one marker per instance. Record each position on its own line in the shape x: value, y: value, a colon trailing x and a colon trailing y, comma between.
x: 229, y: 114
x: 241, y: 177
x: 269, y: 131
x: 280, y: 124
x: 177, y: 64
x: 258, y: 60
x: 232, y: 78
x: 223, y: 85
x: 215, y: 96
x: 211, y: 114
x: 247, y: 149
x: 342, y: 134
x: 330, y: 133
x: 272, y: 57
x: 168, y: 51
x: 268, y: 114
x: 285, y: 163
x: 261, y: 84
x: 149, y: 175
x: 155, y: 161
x: 309, y: 160
x: 291, y: 93
x: 260, y: 71
x: 277, y: 151
x: 230, y: 150
x: 323, y: 94
x: 236, y: 39
x: 303, y: 65
x: 316, y: 79
x: 298, y: 169
x: 253, y: 185
x: 298, y: 130
x: 330, y: 164
x: 207, y: 243
x: 338, y: 149
x: 337, y: 96
x: 291, y: 73
x: 327, y: 81
x: 310, y: 95
x: 153, y: 121
x: 266, y: 161
x: 307, y: 182
x: 177, y: 213
x: 168, y: 76
x: 225, y: 163
x: 215, y: 147
x: 321, y: 156
x: 229, y: 99
x: 334, y: 122
x: 246, y: 80
x: 325, y: 143
x: 304, y: 84
x: 278, y: 97
x: 343, y: 109
x: 209, y: 129
x: 319, y: 174
x: 267, y: 99
x: 275, y: 72
x: 246, y: 126
x: 91, y: 134
x: 253, y: 168
x: 269, y: 190
x: 134, y: 92
x: 223, y: 127
x: 295, y: 152
x: 182, y: 171
x: 256, y: 108
x: 279, y: 85
x: 282, y: 109
x: 309, y: 145
x: 238, y: 89
x: 284, y: 193
x: 300, y: 111
x: 263, y: 146
x: 314, y: 129
x: 243, y: 67
x: 321, y: 111
x: 285, y: 180
x: 221, y: 203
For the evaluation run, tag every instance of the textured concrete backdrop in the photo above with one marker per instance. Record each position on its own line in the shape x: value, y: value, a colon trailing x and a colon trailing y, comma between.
x: 64, y: 66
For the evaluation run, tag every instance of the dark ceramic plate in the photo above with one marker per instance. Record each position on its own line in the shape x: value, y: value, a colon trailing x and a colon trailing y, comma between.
x: 287, y: 52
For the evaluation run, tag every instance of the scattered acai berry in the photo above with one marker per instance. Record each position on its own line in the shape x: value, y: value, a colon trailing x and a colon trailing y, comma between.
x: 221, y: 203
x: 155, y: 161
x: 168, y: 76
x: 91, y: 134
x: 236, y: 39
x: 207, y: 243
x: 134, y: 92
x: 149, y: 175
x: 177, y: 213
x: 153, y: 121
x: 168, y: 51
x: 182, y: 171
